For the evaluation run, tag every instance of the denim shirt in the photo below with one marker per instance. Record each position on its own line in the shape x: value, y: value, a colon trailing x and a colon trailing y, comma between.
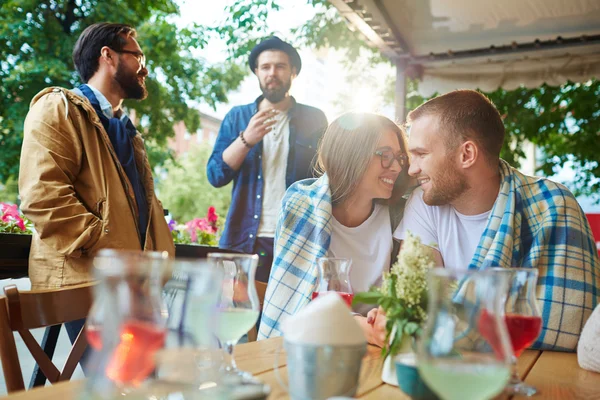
x: 307, y: 125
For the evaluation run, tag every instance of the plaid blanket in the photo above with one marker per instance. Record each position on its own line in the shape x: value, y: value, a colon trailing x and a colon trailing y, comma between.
x: 303, y: 234
x: 537, y: 223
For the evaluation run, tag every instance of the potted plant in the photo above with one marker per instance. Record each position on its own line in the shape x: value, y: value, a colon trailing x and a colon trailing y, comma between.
x: 197, y: 237
x: 403, y: 297
x: 15, y: 242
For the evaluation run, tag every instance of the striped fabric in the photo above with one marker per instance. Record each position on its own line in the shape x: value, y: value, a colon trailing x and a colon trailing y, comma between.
x: 303, y: 234
x: 537, y: 223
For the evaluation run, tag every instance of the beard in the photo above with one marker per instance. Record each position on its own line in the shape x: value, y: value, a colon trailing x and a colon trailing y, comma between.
x: 446, y: 186
x: 275, y: 95
x: 129, y: 81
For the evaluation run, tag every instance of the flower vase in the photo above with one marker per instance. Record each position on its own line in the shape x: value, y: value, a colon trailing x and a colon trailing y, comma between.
x: 388, y: 372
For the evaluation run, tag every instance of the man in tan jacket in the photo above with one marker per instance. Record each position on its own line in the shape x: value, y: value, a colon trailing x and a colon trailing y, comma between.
x: 85, y: 181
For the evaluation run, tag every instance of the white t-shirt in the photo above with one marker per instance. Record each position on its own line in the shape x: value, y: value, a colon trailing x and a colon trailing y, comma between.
x: 276, y: 147
x: 369, y: 245
x: 455, y: 235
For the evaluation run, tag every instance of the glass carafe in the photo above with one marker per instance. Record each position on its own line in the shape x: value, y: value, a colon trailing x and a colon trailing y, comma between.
x: 192, y: 354
x: 464, y: 351
x: 333, y: 275
x: 127, y: 323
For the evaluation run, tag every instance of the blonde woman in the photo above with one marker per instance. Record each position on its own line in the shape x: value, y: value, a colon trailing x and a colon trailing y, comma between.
x: 350, y: 211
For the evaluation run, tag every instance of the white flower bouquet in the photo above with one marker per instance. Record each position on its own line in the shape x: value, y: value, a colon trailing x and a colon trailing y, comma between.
x: 403, y: 293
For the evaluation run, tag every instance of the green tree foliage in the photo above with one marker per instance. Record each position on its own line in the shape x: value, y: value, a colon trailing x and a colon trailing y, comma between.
x: 184, y: 189
x: 246, y: 25
x: 564, y: 122
x: 9, y: 191
x: 36, y: 43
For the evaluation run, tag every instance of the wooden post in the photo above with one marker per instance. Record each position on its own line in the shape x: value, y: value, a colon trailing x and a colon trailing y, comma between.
x: 401, y: 91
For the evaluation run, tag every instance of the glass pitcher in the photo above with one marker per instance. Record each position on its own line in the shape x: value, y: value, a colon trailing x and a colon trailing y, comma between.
x: 127, y: 323
x: 192, y: 354
x: 333, y: 275
x: 464, y: 352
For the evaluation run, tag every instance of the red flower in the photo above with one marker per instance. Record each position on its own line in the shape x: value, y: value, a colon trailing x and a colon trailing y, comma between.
x: 212, y: 215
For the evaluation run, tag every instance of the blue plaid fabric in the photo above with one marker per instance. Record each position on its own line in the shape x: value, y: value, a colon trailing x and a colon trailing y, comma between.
x: 537, y: 223
x: 303, y: 234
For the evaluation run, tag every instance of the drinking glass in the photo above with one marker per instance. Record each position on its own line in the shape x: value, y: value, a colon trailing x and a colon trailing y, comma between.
x: 523, y: 320
x: 238, y: 305
x: 334, y: 276
x: 458, y: 357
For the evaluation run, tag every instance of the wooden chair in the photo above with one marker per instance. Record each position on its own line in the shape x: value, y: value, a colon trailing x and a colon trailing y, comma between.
x: 22, y: 311
x: 261, y: 288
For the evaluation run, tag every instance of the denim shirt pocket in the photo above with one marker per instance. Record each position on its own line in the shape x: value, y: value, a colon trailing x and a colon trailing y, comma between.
x: 305, y: 157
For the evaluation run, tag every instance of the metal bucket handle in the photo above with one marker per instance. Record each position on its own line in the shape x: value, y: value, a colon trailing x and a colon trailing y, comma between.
x: 276, y: 367
x: 287, y: 389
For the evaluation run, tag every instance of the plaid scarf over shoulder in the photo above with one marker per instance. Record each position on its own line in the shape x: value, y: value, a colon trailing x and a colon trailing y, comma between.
x: 303, y: 234
x: 537, y: 223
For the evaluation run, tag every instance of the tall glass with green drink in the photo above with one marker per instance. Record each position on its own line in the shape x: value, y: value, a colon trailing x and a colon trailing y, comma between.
x: 238, y: 306
x: 455, y: 359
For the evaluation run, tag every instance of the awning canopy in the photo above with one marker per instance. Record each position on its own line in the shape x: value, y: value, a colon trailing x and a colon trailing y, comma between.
x: 485, y: 44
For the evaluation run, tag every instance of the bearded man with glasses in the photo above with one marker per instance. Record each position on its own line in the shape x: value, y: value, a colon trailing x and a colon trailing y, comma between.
x: 85, y: 181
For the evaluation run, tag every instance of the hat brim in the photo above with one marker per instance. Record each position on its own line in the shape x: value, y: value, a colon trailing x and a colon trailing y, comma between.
x: 275, y: 43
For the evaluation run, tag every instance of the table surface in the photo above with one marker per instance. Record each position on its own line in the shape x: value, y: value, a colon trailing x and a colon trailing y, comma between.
x: 556, y: 375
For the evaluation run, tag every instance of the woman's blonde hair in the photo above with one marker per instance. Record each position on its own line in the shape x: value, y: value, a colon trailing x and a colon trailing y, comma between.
x: 347, y: 148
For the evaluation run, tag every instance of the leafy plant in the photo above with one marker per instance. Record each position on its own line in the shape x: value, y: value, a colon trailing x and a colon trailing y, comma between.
x: 403, y: 293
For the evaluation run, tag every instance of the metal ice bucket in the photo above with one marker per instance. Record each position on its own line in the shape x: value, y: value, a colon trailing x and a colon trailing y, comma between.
x: 317, y: 372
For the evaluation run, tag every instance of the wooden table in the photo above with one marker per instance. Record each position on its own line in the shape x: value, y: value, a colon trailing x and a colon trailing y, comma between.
x: 556, y: 375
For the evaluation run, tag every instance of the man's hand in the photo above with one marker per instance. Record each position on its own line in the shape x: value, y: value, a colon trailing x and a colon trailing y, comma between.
x: 378, y: 325
x: 260, y: 124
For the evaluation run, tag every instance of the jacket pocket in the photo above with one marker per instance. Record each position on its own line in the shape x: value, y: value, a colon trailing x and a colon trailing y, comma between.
x: 100, y: 209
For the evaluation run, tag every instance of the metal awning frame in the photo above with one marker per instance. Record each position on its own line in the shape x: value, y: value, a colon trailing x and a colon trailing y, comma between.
x: 381, y: 33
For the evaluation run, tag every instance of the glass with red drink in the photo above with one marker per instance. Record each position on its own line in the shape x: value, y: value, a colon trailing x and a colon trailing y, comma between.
x: 333, y: 275
x: 523, y: 319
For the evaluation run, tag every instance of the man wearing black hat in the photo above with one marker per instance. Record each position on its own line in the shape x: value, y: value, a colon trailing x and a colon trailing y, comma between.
x: 264, y: 147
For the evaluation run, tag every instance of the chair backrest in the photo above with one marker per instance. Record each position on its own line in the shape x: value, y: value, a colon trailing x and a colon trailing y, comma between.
x: 25, y: 310
x: 261, y: 288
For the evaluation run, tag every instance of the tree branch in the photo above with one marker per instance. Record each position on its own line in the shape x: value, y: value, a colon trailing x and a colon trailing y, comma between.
x: 69, y: 17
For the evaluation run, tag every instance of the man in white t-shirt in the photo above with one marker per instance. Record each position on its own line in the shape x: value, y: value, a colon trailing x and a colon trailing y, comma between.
x: 457, y: 170
x: 264, y: 147
x: 478, y: 212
